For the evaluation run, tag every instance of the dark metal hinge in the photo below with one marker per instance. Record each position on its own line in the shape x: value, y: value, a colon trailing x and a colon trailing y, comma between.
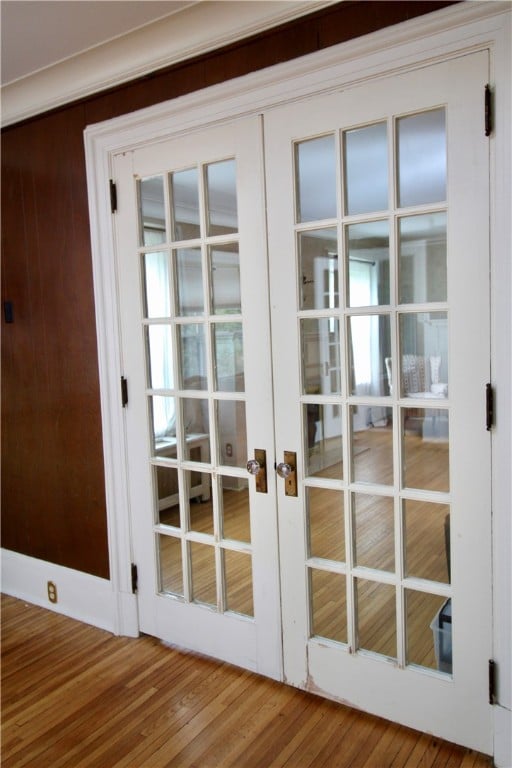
x: 124, y: 392
x: 135, y: 578
x: 113, y: 196
x: 488, y: 110
x: 489, y: 407
x: 492, y: 681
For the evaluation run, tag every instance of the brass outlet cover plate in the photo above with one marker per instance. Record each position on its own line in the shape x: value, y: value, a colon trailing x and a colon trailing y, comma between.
x: 52, y: 591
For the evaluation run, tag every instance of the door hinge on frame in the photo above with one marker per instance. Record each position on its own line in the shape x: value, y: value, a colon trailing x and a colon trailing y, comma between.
x: 113, y: 196
x: 124, y: 391
x: 488, y: 110
x: 135, y: 578
x: 492, y: 681
x: 489, y: 407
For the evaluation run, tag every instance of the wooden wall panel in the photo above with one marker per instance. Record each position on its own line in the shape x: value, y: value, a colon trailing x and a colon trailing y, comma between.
x: 53, y: 500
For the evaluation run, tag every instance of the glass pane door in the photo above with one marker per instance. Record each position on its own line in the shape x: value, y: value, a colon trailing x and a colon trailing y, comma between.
x: 195, y: 387
x: 195, y: 301
x: 377, y: 370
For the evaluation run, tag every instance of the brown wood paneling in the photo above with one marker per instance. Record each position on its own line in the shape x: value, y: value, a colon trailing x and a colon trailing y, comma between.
x: 338, y: 23
x: 53, y: 501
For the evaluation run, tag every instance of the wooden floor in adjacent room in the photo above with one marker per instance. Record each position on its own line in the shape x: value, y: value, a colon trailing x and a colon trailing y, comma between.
x: 74, y: 696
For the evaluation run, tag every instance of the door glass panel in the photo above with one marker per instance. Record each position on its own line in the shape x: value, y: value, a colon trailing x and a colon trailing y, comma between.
x: 229, y: 357
x: 422, y: 258
x: 202, y: 566
x: 152, y: 211
x: 429, y: 630
x: 232, y: 433
x: 427, y: 540
x: 196, y: 429
x: 189, y: 282
x: 326, y: 523
x: 185, y: 204
x: 376, y: 617
x: 235, y: 510
x: 322, y: 431
x: 222, y: 203
x: 368, y: 263
x: 166, y: 479
x: 315, y: 178
x: 424, y: 362
x: 328, y: 605
x: 163, y: 418
x: 426, y: 448
x: 193, y: 356
x: 421, y: 141
x: 225, y: 279
x: 321, y: 372
x: 171, y: 570
x: 370, y: 347
x: 197, y: 491
x: 318, y: 267
x: 157, y: 284
x: 159, y: 343
x: 366, y: 169
x: 238, y: 582
x: 374, y: 536
x: 201, y: 513
x: 372, y: 444
x: 190, y: 347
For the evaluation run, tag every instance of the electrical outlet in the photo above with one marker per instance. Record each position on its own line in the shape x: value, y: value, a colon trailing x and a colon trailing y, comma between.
x: 229, y: 450
x: 52, y: 592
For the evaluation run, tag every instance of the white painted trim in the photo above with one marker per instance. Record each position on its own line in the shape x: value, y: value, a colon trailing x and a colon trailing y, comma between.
x: 501, y: 374
x: 79, y: 595
x: 197, y: 29
x: 422, y: 41
x: 502, y: 737
x: 447, y: 33
x: 109, y: 363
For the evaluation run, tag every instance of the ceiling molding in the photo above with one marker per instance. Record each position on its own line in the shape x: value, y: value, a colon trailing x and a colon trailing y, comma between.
x: 197, y: 29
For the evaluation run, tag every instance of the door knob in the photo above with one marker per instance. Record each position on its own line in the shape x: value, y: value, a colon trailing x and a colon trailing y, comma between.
x: 258, y: 468
x: 287, y: 469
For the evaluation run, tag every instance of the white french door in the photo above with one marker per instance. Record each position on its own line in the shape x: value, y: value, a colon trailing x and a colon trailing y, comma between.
x: 340, y: 336
x: 380, y: 195
x: 195, y: 325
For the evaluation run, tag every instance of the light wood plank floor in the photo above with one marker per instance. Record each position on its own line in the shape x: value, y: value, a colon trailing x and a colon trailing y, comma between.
x: 74, y: 696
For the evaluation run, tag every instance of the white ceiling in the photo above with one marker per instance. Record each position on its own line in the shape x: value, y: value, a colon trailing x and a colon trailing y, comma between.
x: 58, y: 51
x: 39, y: 33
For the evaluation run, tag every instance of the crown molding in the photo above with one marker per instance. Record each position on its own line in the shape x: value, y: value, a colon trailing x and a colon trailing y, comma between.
x: 199, y: 28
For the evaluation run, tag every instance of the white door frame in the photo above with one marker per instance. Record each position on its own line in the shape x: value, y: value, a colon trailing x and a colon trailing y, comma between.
x: 449, y: 32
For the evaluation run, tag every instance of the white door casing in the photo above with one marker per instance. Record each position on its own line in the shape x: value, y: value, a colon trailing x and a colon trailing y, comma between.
x: 443, y: 35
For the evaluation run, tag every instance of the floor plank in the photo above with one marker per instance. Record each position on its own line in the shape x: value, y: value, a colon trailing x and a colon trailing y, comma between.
x: 74, y: 696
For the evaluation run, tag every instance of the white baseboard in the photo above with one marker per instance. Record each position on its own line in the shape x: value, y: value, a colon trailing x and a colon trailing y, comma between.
x: 79, y: 595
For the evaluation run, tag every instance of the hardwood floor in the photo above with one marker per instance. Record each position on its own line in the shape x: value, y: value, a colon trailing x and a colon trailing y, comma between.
x: 74, y: 696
